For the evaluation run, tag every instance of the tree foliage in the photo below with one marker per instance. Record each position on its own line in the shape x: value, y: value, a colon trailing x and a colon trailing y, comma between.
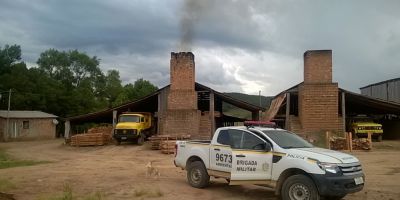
x: 65, y: 83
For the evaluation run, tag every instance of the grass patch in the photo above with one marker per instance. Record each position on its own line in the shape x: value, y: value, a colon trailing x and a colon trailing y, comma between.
x: 6, y: 161
x: 148, y: 193
x: 6, y: 185
x: 68, y: 194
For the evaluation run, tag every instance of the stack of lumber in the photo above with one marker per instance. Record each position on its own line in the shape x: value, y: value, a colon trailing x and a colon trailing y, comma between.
x: 95, y: 136
x: 106, y: 130
x: 166, y: 143
x: 168, y: 146
x: 361, y: 144
x: 90, y: 139
x: 338, y: 143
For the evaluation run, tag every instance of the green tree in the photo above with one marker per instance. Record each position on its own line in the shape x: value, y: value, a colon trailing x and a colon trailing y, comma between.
x: 113, y: 87
x: 9, y: 55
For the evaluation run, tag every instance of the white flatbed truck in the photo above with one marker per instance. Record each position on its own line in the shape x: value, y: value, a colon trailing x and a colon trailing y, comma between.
x: 270, y: 157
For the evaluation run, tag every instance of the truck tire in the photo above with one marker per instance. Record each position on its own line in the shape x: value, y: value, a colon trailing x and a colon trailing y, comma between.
x: 197, y: 175
x: 298, y: 187
x: 379, y: 139
x: 140, y: 140
x: 117, y: 142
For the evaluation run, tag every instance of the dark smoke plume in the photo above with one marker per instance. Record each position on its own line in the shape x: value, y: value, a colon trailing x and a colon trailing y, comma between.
x: 192, y: 11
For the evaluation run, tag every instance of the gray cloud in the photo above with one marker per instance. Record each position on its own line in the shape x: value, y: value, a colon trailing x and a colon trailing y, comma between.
x: 242, y: 46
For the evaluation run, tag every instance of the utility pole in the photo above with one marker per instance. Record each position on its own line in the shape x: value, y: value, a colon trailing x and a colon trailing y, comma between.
x: 259, y: 112
x: 7, y: 132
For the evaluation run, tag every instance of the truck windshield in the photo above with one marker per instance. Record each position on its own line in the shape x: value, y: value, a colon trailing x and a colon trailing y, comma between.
x: 129, y: 118
x: 287, y: 140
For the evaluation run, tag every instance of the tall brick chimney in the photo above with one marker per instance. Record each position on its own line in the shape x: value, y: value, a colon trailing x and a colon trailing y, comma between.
x: 318, y: 66
x: 318, y: 96
x: 182, y: 94
x: 182, y: 116
x: 182, y: 71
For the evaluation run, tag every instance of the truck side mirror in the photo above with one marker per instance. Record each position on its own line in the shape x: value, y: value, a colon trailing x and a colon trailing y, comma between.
x: 267, y: 147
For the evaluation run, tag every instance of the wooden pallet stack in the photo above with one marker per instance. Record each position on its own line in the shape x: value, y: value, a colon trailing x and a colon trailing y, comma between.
x: 90, y: 139
x: 361, y: 144
x: 166, y: 143
x: 348, y: 143
x: 95, y: 136
x: 338, y: 143
x: 106, y: 130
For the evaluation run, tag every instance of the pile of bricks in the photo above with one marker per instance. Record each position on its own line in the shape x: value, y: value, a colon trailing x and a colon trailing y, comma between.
x: 166, y: 143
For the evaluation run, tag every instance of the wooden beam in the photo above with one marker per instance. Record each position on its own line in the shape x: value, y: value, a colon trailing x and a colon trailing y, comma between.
x: 212, y: 114
x: 344, y: 112
x: 287, y: 111
x: 67, y: 129
x: 114, y: 118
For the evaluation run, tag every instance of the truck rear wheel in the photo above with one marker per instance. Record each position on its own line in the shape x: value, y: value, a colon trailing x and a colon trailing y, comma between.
x: 299, y: 187
x: 197, y: 175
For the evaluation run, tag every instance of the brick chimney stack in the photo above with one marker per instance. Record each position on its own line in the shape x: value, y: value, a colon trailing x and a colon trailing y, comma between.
x: 318, y: 95
x: 182, y: 116
x: 182, y: 93
x: 318, y: 66
x: 182, y: 71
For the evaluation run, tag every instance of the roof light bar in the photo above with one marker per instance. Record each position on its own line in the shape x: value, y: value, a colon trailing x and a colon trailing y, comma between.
x: 260, y: 123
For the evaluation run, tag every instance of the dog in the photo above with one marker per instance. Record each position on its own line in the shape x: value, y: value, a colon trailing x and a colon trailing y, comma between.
x: 151, y: 170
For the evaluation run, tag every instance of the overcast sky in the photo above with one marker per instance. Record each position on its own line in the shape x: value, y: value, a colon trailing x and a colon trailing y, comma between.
x: 239, y: 46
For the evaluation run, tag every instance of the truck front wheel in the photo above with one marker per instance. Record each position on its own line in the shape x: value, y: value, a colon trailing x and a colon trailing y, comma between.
x: 299, y: 187
x: 140, y: 140
x: 197, y: 175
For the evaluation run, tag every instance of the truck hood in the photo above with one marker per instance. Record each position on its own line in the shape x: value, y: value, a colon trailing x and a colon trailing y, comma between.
x: 324, y: 155
x: 127, y: 125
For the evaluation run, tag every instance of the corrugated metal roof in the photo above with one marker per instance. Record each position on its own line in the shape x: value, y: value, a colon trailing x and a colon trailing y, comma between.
x: 382, y: 82
x: 25, y: 114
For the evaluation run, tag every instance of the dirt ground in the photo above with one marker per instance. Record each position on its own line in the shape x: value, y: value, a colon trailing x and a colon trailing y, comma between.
x: 118, y: 172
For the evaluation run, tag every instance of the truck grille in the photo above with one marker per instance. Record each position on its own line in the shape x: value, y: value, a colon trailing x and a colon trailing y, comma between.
x: 125, y: 131
x: 351, y: 168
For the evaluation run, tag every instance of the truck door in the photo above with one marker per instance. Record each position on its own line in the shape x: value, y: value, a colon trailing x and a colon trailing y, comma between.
x: 221, y: 153
x: 250, y: 161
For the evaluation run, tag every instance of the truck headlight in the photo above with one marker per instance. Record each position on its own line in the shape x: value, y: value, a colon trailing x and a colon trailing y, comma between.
x: 329, y: 167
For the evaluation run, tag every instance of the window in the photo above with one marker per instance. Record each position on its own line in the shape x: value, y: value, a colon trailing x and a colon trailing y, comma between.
x: 128, y: 118
x: 142, y: 119
x: 252, y: 142
x: 25, y: 124
x: 236, y: 138
x: 223, y: 137
x: 287, y: 140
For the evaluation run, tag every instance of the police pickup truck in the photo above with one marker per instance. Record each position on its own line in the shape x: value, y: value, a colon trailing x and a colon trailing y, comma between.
x: 272, y: 157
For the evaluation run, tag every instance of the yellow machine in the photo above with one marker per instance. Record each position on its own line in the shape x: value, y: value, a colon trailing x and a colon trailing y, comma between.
x: 362, y: 125
x: 134, y: 126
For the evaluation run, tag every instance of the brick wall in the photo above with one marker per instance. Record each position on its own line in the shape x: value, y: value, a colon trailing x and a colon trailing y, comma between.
x: 182, y: 122
x: 318, y: 66
x: 38, y: 129
x: 182, y: 99
x: 318, y: 107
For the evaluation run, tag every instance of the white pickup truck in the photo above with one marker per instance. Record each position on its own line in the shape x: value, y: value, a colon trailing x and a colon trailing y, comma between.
x: 271, y: 157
